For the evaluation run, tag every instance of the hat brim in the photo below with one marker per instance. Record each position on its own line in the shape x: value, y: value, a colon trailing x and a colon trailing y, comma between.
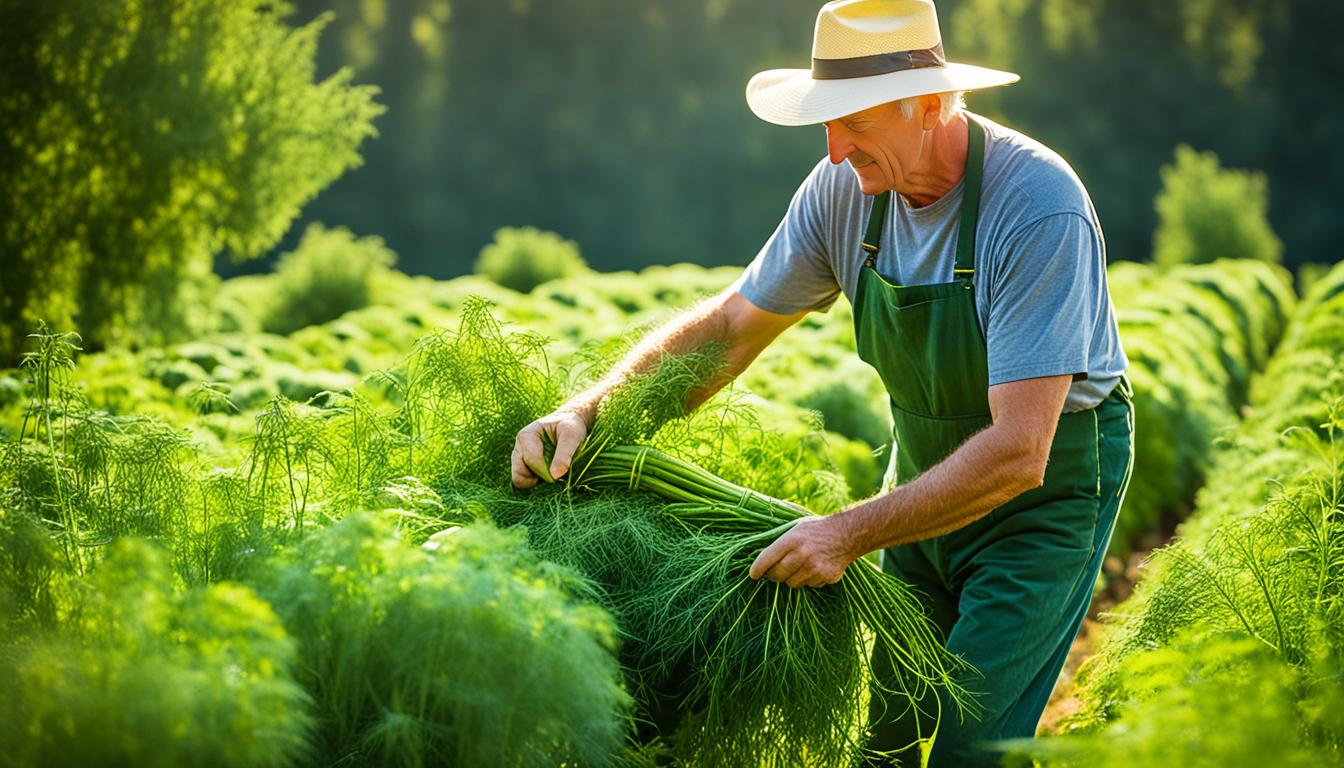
x: 792, y: 97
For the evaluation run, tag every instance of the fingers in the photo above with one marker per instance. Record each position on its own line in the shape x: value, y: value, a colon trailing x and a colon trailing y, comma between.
x: 804, y: 576
x: 819, y: 580
x: 529, y: 461
x: 785, y: 567
x: 768, y: 558
x: 522, y: 475
x: 787, y: 560
x: 569, y: 432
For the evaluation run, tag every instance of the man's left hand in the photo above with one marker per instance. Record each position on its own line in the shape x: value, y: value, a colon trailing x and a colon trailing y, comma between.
x: 813, y: 553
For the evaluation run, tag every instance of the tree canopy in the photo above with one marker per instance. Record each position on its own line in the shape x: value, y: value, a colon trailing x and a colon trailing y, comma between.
x: 145, y: 136
x: 622, y: 126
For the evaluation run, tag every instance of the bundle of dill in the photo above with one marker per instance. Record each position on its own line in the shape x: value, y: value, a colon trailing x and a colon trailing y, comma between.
x: 727, y: 669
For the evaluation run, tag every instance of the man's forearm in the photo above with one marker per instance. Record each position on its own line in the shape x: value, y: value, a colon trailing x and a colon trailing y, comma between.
x: 686, y: 332
x: 987, y: 471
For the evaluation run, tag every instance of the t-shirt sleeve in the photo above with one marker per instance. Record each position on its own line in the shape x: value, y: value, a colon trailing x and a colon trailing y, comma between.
x: 1044, y: 300
x: 792, y: 272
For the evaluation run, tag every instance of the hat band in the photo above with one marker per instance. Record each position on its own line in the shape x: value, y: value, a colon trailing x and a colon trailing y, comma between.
x: 880, y: 64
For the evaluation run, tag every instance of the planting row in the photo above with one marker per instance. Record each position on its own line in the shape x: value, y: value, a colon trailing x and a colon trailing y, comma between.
x: 1231, y: 652
x: 1194, y: 335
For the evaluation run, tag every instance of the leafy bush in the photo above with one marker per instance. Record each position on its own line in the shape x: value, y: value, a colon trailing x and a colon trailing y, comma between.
x: 145, y: 673
x: 523, y: 258
x: 1206, y: 213
x: 328, y: 274
x: 142, y: 138
x: 1194, y: 335
x: 10, y: 390
x: 846, y: 409
x: 470, y: 651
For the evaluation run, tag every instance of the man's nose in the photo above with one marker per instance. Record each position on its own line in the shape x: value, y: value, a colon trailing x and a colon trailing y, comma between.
x: 838, y: 145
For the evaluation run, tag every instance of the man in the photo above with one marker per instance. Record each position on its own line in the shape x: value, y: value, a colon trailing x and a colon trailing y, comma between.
x: 979, y: 295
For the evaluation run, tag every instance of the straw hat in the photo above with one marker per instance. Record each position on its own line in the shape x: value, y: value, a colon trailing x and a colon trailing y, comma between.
x: 865, y: 53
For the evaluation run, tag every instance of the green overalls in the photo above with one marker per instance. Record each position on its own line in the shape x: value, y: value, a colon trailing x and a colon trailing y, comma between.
x: 1010, y: 590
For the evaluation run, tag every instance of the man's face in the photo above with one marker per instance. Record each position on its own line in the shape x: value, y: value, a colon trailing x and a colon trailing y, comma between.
x: 880, y: 144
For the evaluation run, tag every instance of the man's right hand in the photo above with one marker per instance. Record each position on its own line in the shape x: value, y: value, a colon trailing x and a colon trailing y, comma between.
x: 566, y: 428
x: 729, y: 317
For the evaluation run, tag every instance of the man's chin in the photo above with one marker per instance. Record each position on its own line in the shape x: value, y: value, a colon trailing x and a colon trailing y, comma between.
x: 871, y: 186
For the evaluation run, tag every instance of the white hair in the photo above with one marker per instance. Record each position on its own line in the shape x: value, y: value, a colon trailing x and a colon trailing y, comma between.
x: 953, y: 102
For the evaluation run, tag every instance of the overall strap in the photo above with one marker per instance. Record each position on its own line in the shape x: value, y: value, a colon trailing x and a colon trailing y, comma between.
x: 872, y: 239
x: 970, y: 206
x: 970, y: 197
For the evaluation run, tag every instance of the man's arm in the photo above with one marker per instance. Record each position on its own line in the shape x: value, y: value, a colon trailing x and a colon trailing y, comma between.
x: 729, y: 317
x: 988, y: 470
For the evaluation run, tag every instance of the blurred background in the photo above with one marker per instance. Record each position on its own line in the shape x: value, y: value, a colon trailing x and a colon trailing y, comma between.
x: 623, y: 126
x: 171, y: 144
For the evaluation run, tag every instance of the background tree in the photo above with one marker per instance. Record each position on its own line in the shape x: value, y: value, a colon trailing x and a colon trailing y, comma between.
x: 1115, y: 85
x: 1206, y: 213
x: 622, y: 126
x: 142, y: 137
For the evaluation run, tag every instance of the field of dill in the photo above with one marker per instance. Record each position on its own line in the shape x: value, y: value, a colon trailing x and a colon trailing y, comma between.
x: 285, y: 545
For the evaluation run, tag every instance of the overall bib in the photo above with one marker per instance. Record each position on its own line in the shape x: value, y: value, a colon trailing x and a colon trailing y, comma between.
x: 1010, y: 590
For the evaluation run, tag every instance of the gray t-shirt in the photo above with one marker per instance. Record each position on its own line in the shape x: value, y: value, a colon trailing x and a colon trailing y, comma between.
x: 1040, y: 279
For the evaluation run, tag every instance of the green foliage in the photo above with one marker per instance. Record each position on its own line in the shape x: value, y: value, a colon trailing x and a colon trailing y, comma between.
x: 230, y: 474
x: 328, y: 274
x: 1207, y: 213
x: 625, y: 126
x: 142, y: 138
x: 469, y: 651
x: 721, y: 665
x: 30, y: 568
x: 10, y: 391
x: 847, y: 410
x: 594, y: 138
x: 142, y: 672
x: 467, y: 393
x: 1210, y: 702
x: 1260, y: 563
x: 523, y: 258
x: 1194, y: 335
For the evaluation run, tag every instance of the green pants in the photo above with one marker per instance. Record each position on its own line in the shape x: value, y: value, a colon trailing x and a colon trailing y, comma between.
x: 1009, y: 593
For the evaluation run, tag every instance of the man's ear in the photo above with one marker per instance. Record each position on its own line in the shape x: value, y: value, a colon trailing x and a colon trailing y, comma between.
x: 932, y: 104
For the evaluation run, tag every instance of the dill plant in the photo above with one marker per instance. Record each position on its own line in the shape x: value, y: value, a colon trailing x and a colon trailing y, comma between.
x: 465, y: 394
x: 468, y: 652
x: 522, y: 258
x: 30, y: 571
x: 328, y: 274
x: 1209, y: 702
x: 138, y: 670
